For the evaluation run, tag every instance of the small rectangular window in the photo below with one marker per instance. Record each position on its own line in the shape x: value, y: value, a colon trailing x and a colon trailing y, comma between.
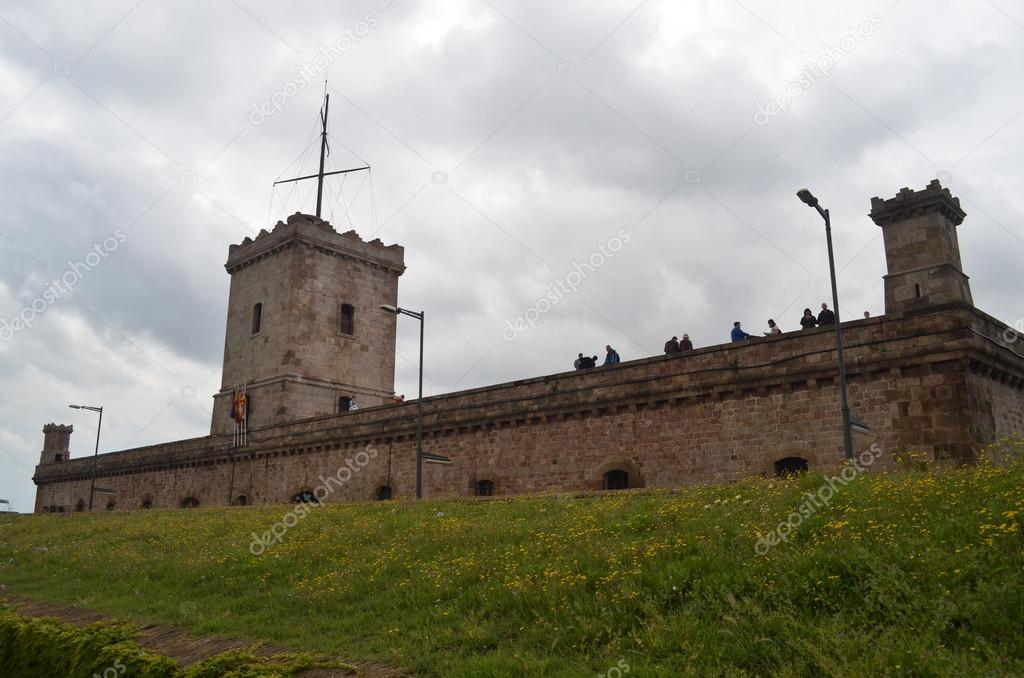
x: 257, y: 318
x: 348, y: 319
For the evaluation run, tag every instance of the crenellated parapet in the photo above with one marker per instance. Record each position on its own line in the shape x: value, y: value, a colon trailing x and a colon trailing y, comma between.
x: 310, y: 231
x: 909, y: 203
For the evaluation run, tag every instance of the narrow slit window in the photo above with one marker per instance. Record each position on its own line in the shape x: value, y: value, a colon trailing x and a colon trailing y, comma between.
x: 348, y: 319
x: 257, y: 318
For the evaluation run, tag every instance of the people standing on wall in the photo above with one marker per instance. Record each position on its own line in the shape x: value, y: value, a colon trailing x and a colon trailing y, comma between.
x: 737, y: 333
x: 826, y: 317
x: 773, y: 329
x: 808, y: 321
x: 587, y: 362
x: 867, y: 314
x: 578, y: 363
x: 672, y: 346
x: 685, y: 344
x: 611, y: 356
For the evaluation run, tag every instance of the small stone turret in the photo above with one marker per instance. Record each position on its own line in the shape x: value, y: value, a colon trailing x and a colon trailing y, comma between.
x: 56, y: 443
x: 922, y: 252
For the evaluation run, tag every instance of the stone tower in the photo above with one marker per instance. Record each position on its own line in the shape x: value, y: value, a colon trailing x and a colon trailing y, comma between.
x: 56, y: 443
x: 305, y: 332
x: 922, y: 252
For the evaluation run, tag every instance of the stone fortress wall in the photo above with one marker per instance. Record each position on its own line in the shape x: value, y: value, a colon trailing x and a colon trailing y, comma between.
x: 934, y: 374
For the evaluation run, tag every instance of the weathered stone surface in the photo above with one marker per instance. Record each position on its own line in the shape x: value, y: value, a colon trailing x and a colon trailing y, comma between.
x: 934, y: 375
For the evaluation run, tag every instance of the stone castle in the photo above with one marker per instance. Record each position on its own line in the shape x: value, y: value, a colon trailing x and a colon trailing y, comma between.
x: 305, y: 334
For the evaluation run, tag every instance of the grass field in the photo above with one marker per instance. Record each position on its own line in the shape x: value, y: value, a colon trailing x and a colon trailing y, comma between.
x: 915, y: 573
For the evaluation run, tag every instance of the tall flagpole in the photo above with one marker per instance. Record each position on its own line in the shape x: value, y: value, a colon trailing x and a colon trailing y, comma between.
x: 324, y: 150
x: 323, y: 153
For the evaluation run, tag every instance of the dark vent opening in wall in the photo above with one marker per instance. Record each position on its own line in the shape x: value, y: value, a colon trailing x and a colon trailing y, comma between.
x: 616, y: 479
x: 790, y: 466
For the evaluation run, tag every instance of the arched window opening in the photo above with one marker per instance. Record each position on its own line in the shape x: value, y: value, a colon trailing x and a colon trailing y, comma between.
x: 616, y: 479
x: 80, y: 505
x: 58, y: 457
x: 257, y: 318
x: 485, y: 488
x: 190, y: 502
x: 46, y: 509
x: 383, y: 493
x: 790, y: 466
x: 110, y: 505
x: 348, y: 319
x: 242, y: 500
x: 147, y: 503
x: 305, y: 497
x: 344, y: 404
x: 60, y: 509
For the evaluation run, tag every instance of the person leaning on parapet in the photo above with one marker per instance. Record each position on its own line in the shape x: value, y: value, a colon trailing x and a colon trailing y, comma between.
x: 808, y: 321
x: 685, y: 344
x: 737, y: 333
x: 826, y: 317
x: 586, y: 363
x: 672, y: 346
x: 611, y: 357
x: 773, y: 329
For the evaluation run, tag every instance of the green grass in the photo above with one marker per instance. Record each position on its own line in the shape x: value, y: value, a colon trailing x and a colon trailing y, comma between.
x: 913, y: 573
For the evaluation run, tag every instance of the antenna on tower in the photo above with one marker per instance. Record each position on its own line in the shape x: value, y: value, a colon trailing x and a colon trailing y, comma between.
x: 324, y: 152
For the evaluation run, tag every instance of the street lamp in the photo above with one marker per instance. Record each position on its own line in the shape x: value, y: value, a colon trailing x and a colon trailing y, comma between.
x: 808, y: 199
x: 95, y: 455
x: 419, y: 401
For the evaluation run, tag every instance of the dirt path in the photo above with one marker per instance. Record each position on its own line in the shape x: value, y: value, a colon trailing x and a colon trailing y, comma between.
x: 185, y: 648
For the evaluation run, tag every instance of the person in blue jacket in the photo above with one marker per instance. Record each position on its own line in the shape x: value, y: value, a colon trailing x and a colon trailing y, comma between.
x: 611, y: 357
x: 737, y: 333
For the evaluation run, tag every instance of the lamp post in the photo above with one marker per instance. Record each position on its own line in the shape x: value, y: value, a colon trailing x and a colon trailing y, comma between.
x: 95, y: 454
x: 808, y: 199
x: 419, y: 401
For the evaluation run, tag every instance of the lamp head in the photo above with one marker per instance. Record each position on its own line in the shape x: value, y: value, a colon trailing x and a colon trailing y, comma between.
x: 389, y: 308
x: 807, y: 197
x: 75, y: 407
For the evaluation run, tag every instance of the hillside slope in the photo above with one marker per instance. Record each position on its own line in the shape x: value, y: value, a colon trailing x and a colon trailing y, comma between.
x: 914, y: 573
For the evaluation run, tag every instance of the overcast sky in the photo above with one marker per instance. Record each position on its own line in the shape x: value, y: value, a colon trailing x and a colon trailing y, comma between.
x: 510, y: 142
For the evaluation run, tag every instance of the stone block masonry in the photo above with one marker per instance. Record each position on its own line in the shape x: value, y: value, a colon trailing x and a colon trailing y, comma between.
x: 934, y: 374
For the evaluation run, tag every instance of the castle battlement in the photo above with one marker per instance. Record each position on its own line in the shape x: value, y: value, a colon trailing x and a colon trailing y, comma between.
x: 317, y: 233
x: 909, y: 203
x: 306, y: 334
